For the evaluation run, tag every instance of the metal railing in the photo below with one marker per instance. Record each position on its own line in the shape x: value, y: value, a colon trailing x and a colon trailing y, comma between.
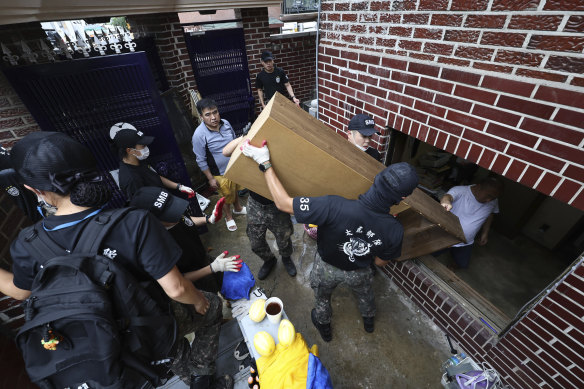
x: 299, y: 6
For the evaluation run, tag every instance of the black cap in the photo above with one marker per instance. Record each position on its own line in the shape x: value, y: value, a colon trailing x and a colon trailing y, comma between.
x: 45, y: 159
x: 267, y: 56
x: 126, y: 135
x: 401, y: 177
x: 160, y: 202
x: 364, y: 124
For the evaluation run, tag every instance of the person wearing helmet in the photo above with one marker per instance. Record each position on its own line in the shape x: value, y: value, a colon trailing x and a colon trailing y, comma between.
x: 352, y: 234
x: 134, y: 173
x: 361, y: 129
x: 63, y: 173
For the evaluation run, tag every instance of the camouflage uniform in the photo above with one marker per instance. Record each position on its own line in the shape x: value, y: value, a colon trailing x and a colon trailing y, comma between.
x: 198, y: 358
x: 325, y: 277
x: 260, y: 218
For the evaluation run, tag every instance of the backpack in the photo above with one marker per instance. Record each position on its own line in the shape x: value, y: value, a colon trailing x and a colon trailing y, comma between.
x: 88, y: 322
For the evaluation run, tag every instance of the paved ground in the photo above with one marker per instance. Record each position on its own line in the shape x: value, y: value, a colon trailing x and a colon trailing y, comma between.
x: 406, y: 349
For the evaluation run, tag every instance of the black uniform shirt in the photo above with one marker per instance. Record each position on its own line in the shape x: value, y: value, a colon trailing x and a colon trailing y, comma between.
x: 374, y: 153
x: 194, y: 254
x: 134, y: 177
x: 138, y: 242
x: 350, y: 235
x: 272, y: 83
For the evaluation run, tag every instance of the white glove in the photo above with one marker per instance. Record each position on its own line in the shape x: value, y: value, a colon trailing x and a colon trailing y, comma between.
x: 223, y: 264
x: 258, y: 154
x: 217, y: 211
x: 187, y: 190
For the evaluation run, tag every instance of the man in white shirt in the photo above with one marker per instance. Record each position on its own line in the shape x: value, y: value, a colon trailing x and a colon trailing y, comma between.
x: 475, y: 206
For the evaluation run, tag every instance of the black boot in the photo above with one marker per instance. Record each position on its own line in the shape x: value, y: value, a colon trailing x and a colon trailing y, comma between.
x: 368, y: 323
x: 201, y: 381
x: 266, y: 268
x: 324, y: 329
x: 289, y: 265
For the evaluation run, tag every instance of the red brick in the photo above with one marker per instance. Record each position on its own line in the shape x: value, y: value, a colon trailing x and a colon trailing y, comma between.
x: 469, y: 5
x: 359, y: 6
x: 485, y: 21
x: 568, y: 64
x: 577, y: 81
x: 474, y: 153
x: 428, y: 33
x: 439, y: 48
x: 575, y: 24
x: 541, y: 75
x: 514, y: 5
x: 385, y: 42
x: 564, y: 5
x: 508, y: 86
x: 433, y: 5
x: 451, y: 102
x: 427, y: 70
x: 512, y: 135
x: 389, y: 18
x: 415, y: 18
x: 515, y: 170
x: 462, y: 77
x: 569, y: 117
x: 525, y: 106
x: 445, y: 126
x: 535, y: 157
x: 531, y: 176
x: 394, y: 86
x: 404, y: 100
x: 556, y: 43
x: 560, y: 96
x: 484, y: 140
x: 479, y: 53
x: 466, y: 120
x: 10, y: 123
x: 475, y: 94
x: 466, y: 36
x: 436, y: 85
x: 454, y: 61
x: 573, y: 154
x: 446, y: 20
x: 404, y: 77
x: 419, y: 93
x: 502, y: 39
x: 548, y: 183
x: 414, y: 114
x: 404, y: 5
x: 463, y: 147
x: 430, y: 108
x: 400, y: 31
x: 575, y: 173
x: 486, y: 159
x: 423, y: 57
x: 539, y: 22
x: 441, y: 143
x: 410, y: 45
x: 394, y: 63
x: 492, y: 68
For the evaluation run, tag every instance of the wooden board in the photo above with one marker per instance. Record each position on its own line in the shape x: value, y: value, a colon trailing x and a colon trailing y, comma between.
x: 312, y: 160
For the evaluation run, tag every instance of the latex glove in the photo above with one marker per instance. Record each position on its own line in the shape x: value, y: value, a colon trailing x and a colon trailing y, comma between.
x: 258, y: 154
x: 217, y: 211
x: 223, y: 263
x: 240, y: 307
x: 187, y: 190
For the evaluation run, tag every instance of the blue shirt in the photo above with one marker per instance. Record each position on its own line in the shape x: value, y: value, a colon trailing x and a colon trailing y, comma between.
x: 214, y: 141
x: 350, y: 235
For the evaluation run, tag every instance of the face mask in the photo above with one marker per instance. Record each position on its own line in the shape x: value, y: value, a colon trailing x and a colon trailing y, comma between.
x: 144, y: 153
x: 354, y: 142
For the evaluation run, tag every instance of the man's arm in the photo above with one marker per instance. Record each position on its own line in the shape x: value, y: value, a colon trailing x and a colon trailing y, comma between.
x: 261, y: 97
x: 380, y: 262
x: 231, y: 146
x: 212, y: 181
x: 199, y: 150
x: 8, y: 288
x: 291, y: 93
x: 281, y: 197
x: 178, y: 288
x: 484, y: 237
x: 446, y: 201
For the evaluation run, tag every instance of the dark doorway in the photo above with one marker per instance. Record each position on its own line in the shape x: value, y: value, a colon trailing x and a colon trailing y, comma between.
x: 219, y: 63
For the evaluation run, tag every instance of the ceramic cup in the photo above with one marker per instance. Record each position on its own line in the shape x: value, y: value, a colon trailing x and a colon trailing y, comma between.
x: 274, y: 308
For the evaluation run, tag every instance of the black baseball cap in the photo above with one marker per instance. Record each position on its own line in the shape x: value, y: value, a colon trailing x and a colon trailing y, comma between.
x: 44, y: 158
x: 364, y: 124
x: 160, y: 202
x: 267, y: 56
x: 126, y: 135
x: 401, y: 177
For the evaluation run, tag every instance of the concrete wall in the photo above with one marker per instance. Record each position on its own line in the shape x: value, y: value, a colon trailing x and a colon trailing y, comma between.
x: 494, y: 81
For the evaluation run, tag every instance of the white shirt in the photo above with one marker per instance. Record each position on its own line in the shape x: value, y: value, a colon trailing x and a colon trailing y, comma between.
x: 470, y: 212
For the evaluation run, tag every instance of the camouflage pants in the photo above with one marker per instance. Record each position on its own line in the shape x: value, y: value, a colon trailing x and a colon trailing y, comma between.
x: 198, y: 358
x: 324, y: 278
x: 261, y: 218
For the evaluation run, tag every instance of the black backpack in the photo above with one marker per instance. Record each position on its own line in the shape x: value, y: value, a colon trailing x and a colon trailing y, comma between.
x: 89, y: 323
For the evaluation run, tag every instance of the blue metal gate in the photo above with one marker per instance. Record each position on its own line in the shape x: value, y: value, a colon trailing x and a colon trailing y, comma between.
x: 85, y: 97
x: 219, y: 63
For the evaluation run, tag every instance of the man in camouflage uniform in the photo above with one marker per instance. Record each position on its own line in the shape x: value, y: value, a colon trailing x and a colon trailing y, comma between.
x: 352, y: 234
x: 262, y: 215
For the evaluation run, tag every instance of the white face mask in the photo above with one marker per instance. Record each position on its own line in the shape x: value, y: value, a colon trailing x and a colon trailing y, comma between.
x: 355, y: 143
x: 144, y: 153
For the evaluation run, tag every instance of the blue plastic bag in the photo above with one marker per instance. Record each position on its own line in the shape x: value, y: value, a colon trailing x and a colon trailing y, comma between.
x: 236, y: 285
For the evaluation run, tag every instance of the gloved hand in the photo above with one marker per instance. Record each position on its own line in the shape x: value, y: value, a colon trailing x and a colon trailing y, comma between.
x: 217, y: 211
x: 223, y: 264
x: 258, y: 154
x: 187, y: 190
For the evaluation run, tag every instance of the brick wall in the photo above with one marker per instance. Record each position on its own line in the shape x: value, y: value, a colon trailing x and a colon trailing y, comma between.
x: 494, y: 81
x: 295, y: 54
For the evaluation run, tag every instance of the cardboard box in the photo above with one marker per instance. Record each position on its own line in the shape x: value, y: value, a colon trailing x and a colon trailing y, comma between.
x: 312, y: 160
